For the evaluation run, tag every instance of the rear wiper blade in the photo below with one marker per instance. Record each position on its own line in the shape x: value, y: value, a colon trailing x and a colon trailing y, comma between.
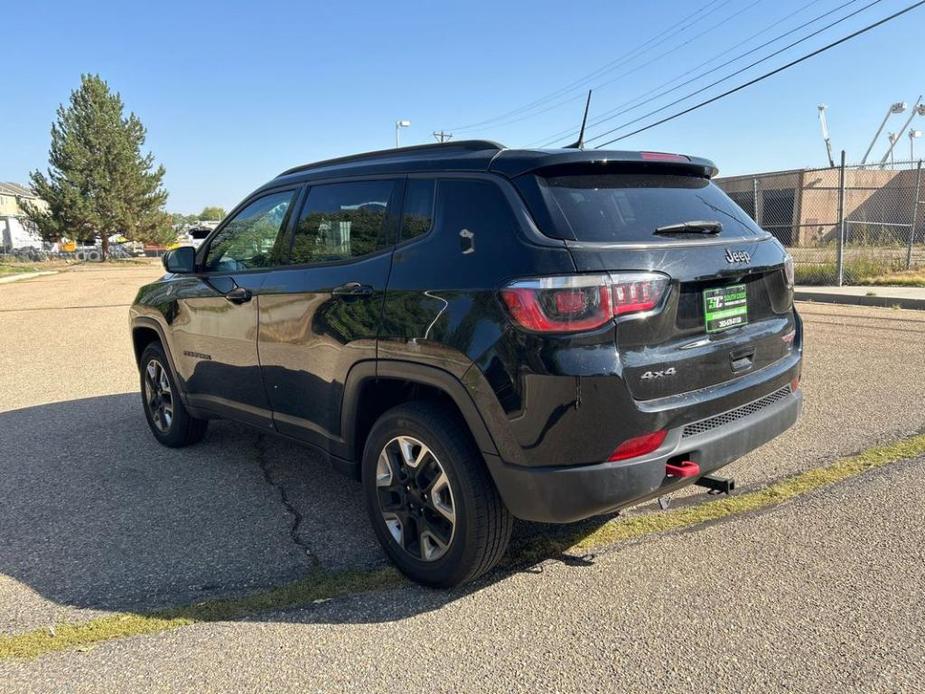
x: 696, y: 226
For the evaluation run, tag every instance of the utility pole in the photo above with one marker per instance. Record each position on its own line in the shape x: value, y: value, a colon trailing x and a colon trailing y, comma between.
x: 441, y: 136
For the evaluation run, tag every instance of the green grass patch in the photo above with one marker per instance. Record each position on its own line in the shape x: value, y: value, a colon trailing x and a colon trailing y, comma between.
x: 321, y: 585
x: 858, y: 270
x: 133, y: 261
x: 905, y: 278
x: 15, y: 268
x: 324, y: 585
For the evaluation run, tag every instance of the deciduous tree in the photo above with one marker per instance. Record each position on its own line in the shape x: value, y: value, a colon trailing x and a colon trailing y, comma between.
x: 212, y: 214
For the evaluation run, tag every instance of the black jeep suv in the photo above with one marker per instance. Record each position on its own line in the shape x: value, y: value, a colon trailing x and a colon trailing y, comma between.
x: 478, y: 333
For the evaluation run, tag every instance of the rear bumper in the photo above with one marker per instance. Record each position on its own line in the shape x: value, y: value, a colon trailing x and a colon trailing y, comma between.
x: 562, y: 494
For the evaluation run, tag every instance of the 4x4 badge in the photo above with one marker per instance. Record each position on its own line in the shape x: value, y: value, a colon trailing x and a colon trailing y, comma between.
x: 670, y: 371
x: 737, y: 256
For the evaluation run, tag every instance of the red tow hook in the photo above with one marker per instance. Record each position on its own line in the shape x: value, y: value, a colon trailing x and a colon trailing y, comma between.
x: 682, y: 468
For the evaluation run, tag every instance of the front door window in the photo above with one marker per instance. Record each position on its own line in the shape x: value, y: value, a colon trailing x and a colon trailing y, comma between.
x: 251, y: 239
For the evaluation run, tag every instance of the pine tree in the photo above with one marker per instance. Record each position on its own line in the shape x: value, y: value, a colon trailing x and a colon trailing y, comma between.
x: 99, y: 182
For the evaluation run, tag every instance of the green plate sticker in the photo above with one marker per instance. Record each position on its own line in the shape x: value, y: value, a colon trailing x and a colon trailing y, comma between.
x: 725, y: 307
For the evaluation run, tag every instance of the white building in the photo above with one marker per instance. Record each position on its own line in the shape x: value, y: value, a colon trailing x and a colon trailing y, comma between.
x: 14, y: 228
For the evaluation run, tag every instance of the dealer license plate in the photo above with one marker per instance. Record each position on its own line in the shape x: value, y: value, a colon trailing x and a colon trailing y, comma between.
x: 725, y: 308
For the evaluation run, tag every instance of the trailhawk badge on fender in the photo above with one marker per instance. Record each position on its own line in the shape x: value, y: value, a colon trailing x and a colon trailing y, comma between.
x: 737, y: 256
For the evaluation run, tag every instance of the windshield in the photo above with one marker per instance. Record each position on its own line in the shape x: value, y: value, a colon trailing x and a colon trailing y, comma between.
x: 630, y: 207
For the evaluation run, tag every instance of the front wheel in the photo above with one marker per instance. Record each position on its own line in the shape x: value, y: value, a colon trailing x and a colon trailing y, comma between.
x: 169, y: 420
x: 432, y: 503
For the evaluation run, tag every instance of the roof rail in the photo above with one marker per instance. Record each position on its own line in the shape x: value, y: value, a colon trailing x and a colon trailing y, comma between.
x: 461, y: 145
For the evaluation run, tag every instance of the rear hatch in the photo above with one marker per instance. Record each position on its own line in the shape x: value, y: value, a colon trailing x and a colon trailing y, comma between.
x: 727, y: 310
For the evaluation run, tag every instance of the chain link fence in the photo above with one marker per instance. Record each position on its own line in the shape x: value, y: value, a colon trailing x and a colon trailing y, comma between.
x: 842, y: 225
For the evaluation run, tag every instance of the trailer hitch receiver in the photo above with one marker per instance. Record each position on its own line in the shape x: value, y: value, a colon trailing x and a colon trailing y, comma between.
x: 716, y: 485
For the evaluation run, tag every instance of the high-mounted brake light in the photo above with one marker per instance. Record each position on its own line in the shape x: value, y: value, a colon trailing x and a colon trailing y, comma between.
x: 582, y: 302
x: 663, y: 156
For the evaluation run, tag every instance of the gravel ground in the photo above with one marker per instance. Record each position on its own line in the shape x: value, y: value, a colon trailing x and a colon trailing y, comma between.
x: 65, y: 336
x: 97, y: 517
x: 823, y: 594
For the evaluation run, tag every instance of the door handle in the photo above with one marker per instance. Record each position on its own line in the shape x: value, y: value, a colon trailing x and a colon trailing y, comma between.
x: 352, y: 289
x: 239, y: 295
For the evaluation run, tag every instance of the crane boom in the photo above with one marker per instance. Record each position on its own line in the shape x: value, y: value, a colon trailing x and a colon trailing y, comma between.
x: 825, y: 133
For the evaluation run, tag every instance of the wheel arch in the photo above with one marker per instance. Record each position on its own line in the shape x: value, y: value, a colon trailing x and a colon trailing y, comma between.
x: 142, y: 336
x: 144, y: 332
x: 372, y: 388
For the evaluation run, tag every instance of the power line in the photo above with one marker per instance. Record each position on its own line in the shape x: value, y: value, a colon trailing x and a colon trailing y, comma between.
x: 768, y: 74
x: 561, y: 134
x: 729, y: 76
x: 660, y: 56
x: 675, y: 28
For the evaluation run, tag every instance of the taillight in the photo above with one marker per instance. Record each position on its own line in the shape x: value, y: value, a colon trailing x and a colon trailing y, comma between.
x: 789, y: 274
x: 633, y: 293
x: 581, y: 302
x: 638, y: 445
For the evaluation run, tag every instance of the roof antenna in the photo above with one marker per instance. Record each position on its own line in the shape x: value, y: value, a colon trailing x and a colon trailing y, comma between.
x: 580, y: 144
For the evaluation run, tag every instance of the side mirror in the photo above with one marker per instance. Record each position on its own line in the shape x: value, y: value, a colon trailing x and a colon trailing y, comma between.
x: 182, y: 259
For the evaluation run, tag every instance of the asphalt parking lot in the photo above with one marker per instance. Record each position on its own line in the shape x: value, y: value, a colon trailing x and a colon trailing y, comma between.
x: 97, y: 518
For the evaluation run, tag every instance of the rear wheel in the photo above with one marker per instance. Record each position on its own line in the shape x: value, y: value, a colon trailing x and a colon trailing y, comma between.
x: 169, y: 420
x: 430, y: 499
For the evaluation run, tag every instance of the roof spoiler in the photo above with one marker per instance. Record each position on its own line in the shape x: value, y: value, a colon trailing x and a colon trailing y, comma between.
x: 603, y: 160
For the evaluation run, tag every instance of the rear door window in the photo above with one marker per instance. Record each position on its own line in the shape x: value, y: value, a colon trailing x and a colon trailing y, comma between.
x: 418, y: 210
x: 630, y: 207
x: 340, y: 221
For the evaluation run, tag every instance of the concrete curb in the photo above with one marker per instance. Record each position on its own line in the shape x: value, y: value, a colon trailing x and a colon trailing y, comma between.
x: 26, y: 275
x: 855, y: 300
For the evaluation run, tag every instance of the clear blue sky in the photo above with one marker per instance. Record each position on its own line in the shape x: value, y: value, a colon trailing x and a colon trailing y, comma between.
x: 233, y: 93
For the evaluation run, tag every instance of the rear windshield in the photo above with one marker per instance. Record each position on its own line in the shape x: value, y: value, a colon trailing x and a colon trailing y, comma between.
x: 630, y: 207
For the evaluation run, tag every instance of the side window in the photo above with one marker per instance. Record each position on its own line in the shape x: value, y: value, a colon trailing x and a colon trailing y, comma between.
x: 342, y: 220
x: 478, y: 206
x: 251, y: 239
x: 418, y: 213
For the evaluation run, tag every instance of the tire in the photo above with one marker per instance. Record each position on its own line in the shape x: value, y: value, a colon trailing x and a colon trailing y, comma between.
x: 169, y: 420
x: 412, y: 525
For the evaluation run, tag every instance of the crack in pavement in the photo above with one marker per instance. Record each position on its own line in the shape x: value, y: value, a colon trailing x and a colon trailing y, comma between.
x: 260, y: 447
x: 322, y: 585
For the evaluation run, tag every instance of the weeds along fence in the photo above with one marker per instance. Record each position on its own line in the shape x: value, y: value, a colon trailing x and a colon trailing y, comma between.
x: 843, y: 225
